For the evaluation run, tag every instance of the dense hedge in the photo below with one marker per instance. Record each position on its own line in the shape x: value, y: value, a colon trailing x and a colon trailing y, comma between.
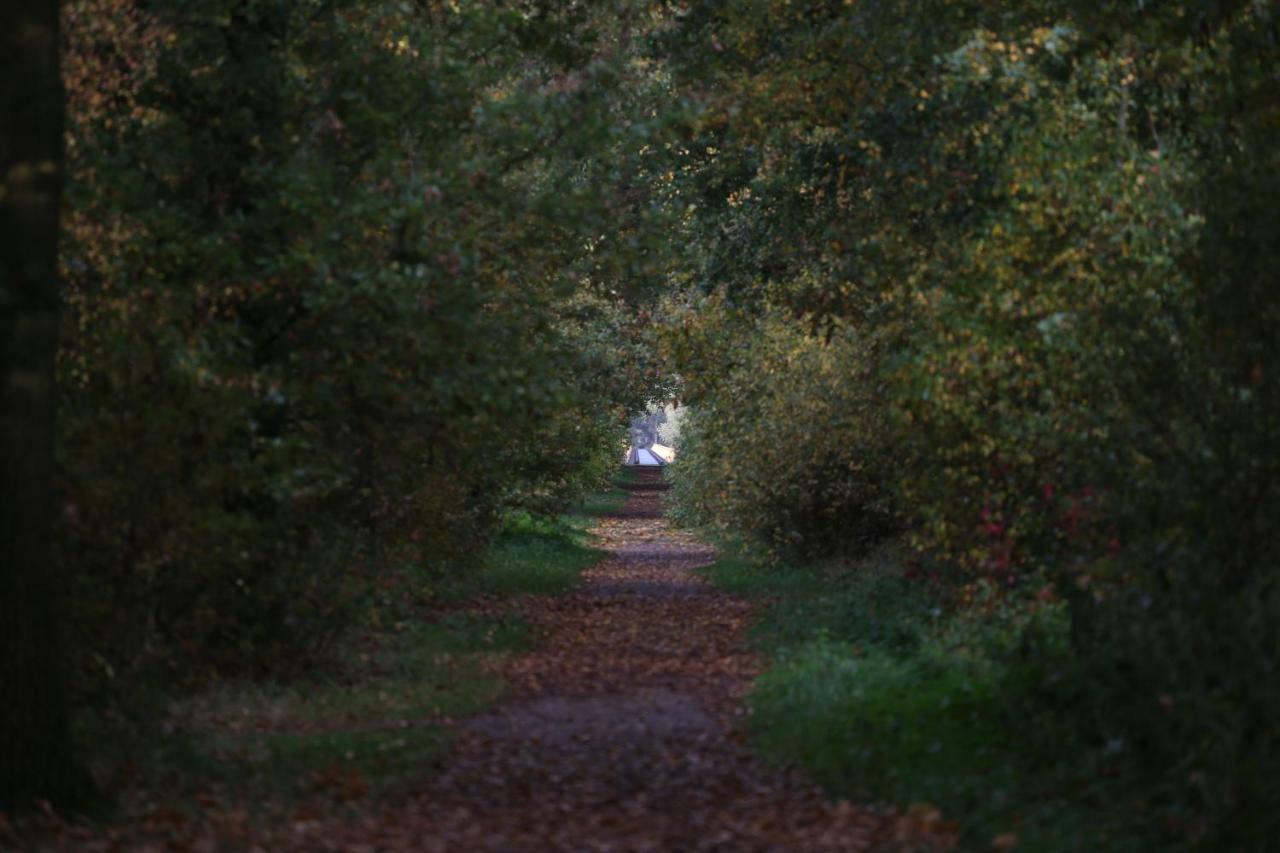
x: 1007, y: 281
x: 790, y: 444
x: 336, y: 299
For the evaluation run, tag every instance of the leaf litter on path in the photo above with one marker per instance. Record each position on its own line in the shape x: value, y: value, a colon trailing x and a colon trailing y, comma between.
x: 620, y: 733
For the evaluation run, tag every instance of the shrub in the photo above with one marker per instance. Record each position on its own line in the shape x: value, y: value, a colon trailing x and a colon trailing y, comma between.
x: 316, y: 346
x: 790, y: 448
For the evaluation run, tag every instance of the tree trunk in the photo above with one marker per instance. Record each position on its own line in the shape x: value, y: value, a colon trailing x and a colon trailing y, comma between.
x: 36, y: 757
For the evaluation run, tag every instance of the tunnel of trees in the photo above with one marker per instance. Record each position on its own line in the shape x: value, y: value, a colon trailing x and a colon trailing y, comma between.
x: 337, y: 285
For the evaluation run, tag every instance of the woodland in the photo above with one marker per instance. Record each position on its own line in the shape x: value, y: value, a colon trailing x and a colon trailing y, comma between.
x: 322, y: 323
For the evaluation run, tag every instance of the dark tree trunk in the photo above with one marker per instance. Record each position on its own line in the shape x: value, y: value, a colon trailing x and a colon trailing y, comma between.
x: 36, y: 758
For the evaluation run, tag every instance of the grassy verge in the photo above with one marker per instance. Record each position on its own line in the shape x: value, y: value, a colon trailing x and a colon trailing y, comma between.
x: 539, y: 556
x: 375, y: 717
x: 882, y: 686
x: 627, y: 475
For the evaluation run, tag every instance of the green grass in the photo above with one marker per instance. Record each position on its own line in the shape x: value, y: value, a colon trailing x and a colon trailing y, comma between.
x: 413, y: 671
x: 1154, y: 730
x: 879, y: 689
x: 373, y: 717
x: 270, y: 767
x: 539, y: 556
x: 604, y: 502
x: 627, y: 475
x: 870, y: 603
x: 373, y: 720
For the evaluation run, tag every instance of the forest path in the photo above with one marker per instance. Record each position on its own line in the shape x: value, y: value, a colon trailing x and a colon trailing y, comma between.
x: 620, y: 731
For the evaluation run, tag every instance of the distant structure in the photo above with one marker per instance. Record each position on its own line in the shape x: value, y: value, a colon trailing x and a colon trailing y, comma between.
x: 647, y: 432
x: 658, y: 454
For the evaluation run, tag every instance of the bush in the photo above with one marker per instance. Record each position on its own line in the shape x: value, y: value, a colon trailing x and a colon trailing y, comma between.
x: 315, y: 348
x: 1007, y: 282
x: 1176, y: 696
x: 1148, y: 721
x: 790, y: 447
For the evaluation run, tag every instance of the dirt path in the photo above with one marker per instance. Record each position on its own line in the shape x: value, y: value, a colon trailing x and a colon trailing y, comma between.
x: 621, y: 731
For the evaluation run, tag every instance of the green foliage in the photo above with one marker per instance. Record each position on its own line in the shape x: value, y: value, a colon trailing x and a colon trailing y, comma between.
x: 370, y: 717
x: 788, y: 447
x: 919, y: 730
x: 284, y: 763
x: 1175, y: 698
x: 536, y: 556
x: 373, y: 715
x: 882, y: 684
x: 596, y: 505
x: 1019, y: 217
x: 351, y: 286
x: 871, y: 604
x: 337, y: 302
x: 1006, y: 279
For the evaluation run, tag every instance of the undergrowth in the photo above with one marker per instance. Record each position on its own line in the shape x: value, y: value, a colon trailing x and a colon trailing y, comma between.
x: 373, y: 715
x: 536, y: 555
x: 891, y: 684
